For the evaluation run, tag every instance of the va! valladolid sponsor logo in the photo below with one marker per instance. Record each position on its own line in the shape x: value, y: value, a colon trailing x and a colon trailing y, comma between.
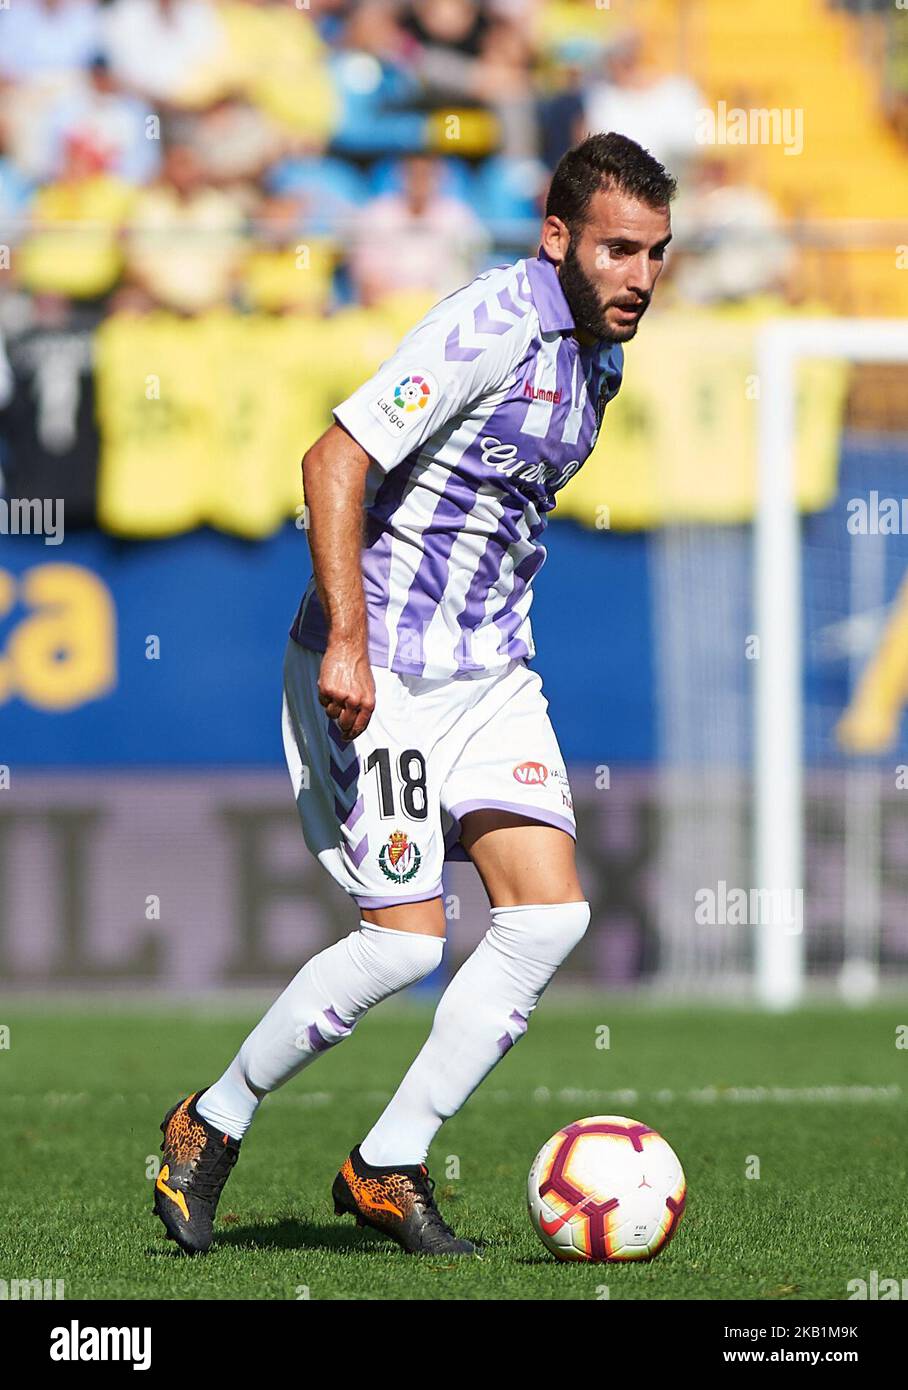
x: 752, y: 125
x: 874, y: 515
x: 875, y: 1288
x: 32, y: 516
x: 756, y: 907
x: 77, y: 1343
x: 15, y: 1290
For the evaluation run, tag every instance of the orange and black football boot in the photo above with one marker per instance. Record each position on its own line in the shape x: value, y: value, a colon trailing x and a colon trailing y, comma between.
x: 197, y: 1162
x: 398, y: 1202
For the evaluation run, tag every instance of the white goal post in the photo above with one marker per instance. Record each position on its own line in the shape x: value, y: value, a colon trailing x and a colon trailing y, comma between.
x: 778, y: 741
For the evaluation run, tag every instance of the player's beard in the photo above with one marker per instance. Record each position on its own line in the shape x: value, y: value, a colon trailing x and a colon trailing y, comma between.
x: 584, y: 302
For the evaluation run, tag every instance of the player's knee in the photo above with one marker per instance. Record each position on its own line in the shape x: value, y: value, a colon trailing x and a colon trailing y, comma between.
x: 573, y: 920
x: 397, y: 959
x: 421, y: 955
x: 545, y: 932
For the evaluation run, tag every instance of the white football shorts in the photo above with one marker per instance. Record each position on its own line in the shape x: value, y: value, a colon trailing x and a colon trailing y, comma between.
x: 382, y: 813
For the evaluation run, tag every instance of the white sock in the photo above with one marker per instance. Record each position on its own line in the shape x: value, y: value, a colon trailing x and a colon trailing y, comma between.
x: 481, y: 1014
x: 319, y: 1008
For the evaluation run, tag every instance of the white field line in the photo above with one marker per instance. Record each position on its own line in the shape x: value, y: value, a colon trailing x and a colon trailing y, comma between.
x: 541, y: 1095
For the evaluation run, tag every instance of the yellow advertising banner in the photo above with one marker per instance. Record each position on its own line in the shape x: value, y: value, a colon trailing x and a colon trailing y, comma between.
x: 204, y: 421
x: 679, y: 442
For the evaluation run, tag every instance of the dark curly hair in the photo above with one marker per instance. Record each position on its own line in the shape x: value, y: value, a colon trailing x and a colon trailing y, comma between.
x: 601, y: 162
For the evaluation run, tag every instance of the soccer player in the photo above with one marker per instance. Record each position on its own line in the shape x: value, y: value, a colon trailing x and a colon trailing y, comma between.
x: 411, y: 720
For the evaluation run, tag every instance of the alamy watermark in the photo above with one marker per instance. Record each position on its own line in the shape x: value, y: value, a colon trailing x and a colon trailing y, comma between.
x: 32, y: 516
x: 877, y: 516
x: 740, y: 907
x: 17, y: 1290
x: 875, y: 1288
x: 78, y: 1343
x: 753, y: 125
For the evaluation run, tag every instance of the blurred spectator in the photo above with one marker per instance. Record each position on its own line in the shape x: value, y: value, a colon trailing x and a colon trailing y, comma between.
x: 328, y: 191
x: 234, y: 140
x: 518, y: 11
x: 15, y: 194
x: 73, y: 248
x: 556, y: 22
x: 114, y: 125
x: 503, y: 80
x: 452, y: 26
x: 47, y: 38
x: 729, y: 240
x: 330, y: 16
x: 168, y: 50
x: 277, y: 60
x: 562, y: 106
x: 288, y: 268
x: 462, y: 53
x: 186, y: 240
x: 376, y: 91
x: 417, y: 239
x: 44, y: 47
x: 659, y: 111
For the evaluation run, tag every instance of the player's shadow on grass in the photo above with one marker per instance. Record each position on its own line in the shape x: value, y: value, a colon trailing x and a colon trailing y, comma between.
x: 291, y: 1234
x: 285, y: 1235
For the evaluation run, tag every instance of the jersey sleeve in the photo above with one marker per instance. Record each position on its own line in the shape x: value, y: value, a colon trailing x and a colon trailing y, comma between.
x: 465, y: 348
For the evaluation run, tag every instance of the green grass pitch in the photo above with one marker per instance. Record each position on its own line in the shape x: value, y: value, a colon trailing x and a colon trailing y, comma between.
x: 82, y: 1092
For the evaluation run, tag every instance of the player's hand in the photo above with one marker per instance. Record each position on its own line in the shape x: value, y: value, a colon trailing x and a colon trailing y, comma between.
x: 346, y: 688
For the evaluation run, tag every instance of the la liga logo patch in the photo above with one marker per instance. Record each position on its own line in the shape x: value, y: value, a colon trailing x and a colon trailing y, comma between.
x: 404, y: 404
x: 412, y: 394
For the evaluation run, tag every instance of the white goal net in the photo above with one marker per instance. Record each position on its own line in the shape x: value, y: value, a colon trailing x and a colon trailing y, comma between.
x: 782, y: 671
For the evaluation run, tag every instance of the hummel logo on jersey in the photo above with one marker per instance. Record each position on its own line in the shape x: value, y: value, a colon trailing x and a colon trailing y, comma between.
x: 539, y: 393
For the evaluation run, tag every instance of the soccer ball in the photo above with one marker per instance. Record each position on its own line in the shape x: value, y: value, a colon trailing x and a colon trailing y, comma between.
x: 606, y: 1189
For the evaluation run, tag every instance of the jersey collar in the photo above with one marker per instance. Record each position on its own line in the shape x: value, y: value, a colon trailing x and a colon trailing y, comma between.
x: 548, y: 296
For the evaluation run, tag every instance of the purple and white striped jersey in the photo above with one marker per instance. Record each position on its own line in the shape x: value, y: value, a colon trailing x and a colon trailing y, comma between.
x: 485, y: 410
